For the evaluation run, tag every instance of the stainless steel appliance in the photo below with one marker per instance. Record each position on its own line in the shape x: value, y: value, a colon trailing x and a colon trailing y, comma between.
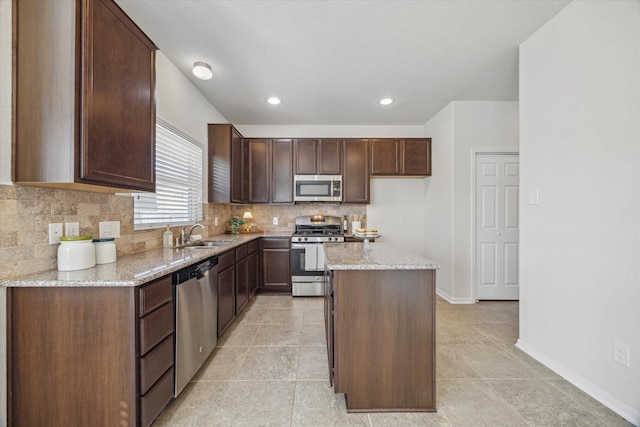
x: 307, y: 252
x: 196, y: 301
x: 317, y: 188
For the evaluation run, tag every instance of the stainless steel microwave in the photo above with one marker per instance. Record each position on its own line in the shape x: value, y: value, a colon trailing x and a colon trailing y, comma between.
x: 317, y: 188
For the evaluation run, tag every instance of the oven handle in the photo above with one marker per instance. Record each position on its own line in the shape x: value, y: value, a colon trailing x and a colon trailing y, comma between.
x: 302, y: 245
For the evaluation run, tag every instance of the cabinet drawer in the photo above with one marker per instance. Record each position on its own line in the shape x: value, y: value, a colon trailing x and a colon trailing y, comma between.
x: 155, y: 327
x: 154, y: 294
x: 155, y: 363
x: 226, y: 259
x: 253, y: 246
x: 152, y: 403
x: 242, y: 252
x: 276, y: 243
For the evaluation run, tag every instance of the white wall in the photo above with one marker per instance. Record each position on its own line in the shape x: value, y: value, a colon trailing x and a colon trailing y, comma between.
x: 183, y: 106
x: 580, y: 247
x: 438, y: 200
x: 463, y: 127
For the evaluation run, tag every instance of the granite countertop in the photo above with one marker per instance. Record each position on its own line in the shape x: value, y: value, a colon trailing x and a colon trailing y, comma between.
x: 134, y: 269
x: 351, y: 256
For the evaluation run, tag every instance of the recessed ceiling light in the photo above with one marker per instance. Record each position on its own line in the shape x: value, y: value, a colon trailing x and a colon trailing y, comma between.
x: 202, y: 70
x: 274, y: 100
x: 386, y: 101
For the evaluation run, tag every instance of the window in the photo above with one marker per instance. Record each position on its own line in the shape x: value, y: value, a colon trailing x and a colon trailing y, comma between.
x: 178, y: 196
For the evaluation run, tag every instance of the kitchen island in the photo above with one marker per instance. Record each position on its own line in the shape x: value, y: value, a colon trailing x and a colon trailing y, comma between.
x: 380, y: 323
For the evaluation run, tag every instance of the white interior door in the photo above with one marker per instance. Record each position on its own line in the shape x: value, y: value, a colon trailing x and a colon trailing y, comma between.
x: 496, y: 227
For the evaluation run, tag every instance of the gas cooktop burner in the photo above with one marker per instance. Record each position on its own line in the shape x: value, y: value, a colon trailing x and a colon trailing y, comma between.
x: 317, y: 229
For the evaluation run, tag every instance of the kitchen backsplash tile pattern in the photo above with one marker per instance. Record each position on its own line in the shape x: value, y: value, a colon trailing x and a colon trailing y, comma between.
x: 25, y: 214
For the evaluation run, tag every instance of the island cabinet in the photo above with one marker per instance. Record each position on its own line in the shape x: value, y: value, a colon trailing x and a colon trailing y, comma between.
x: 90, y: 355
x: 380, y: 328
x: 401, y: 157
x: 275, y: 264
x: 355, y: 171
x: 226, y: 155
x: 84, y: 105
x: 318, y: 156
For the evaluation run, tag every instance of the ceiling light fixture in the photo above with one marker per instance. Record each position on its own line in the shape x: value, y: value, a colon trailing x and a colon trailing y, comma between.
x: 386, y: 101
x: 274, y: 100
x: 202, y: 70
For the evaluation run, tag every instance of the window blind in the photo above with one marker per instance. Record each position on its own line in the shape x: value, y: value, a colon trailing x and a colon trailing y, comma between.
x: 178, y: 196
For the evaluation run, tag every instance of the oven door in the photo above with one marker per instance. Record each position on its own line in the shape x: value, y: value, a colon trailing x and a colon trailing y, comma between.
x: 307, y: 259
x: 307, y: 269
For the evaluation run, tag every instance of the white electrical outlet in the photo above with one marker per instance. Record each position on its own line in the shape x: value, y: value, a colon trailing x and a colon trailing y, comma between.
x: 275, y: 220
x: 55, y: 232
x: 534, y: 197
x: 72, y: 229
x: 621, y: 353
x: 109, y: 229
x: 215, y: 221
x: 402, y: 220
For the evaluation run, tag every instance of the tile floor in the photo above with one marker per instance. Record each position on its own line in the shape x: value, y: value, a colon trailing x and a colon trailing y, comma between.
x: 270, y: 368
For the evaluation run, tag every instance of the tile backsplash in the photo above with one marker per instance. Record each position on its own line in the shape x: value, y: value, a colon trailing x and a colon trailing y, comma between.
x: 25, y: 214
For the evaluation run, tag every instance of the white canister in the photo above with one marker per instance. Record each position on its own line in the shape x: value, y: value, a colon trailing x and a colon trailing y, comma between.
x: 76, y: 253
x: 105, y: 250
x: 355, y: 225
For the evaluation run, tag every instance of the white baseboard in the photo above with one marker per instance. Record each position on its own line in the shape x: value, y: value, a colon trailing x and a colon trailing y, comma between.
x: 601, y: 395
x: 453, y: 300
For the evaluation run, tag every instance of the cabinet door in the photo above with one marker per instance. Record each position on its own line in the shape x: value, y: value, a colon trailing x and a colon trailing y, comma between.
x: 226, y: 164
x: 282, y: 171
x: 355, y: 181
x: 253, y: 273
x: 258, y: 170
x: 417, y: 157
x: 329, y: 157
x: 238, y: 175
x: 275, y: 264
x: 226, y: 298
x: 305, y: 154
x: 242, y: 284
x: 386, y: 157
x: 117, y: 123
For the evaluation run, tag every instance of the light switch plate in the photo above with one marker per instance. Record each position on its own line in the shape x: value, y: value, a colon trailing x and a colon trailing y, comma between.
x: 275, y: 220
x: 55, y: 232
x: 109, y: 229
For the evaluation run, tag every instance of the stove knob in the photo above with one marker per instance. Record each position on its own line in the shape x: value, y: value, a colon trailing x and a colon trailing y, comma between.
x: 305, y: 239
x: 299, y: 239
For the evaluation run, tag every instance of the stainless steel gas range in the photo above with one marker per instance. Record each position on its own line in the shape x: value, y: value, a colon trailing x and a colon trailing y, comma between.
x: 307, y: 252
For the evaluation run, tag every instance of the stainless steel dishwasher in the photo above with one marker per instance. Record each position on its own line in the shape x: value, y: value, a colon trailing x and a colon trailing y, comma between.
x: 196, y: 305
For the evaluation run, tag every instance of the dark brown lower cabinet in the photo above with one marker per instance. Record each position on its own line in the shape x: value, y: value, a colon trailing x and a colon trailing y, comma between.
x: 90, y: 355
x: 253, y: 268
x: 242, y: 283
x: 226, y: 290
x: 381, y: 338
x: 275, y: 264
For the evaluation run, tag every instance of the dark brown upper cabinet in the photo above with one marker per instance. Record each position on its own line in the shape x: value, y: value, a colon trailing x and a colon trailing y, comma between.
x: 401, y: 157
x: 226, y: 155
x: 282, y: 171
x: 318, y: 156
x: 84, y: 106
x: 355, y: 166
x: 258, y: 170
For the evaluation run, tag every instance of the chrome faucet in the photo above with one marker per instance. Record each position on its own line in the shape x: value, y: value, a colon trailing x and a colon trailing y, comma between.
x: 187, y: 237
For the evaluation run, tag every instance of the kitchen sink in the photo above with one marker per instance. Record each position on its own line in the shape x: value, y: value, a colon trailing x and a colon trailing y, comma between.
x: 204, y: 244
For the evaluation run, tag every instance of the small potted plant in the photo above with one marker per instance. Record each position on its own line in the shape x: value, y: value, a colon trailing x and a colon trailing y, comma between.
x: 235, y: 223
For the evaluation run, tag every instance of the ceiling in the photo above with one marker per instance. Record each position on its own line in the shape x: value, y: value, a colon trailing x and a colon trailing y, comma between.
x: 332, y: 61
